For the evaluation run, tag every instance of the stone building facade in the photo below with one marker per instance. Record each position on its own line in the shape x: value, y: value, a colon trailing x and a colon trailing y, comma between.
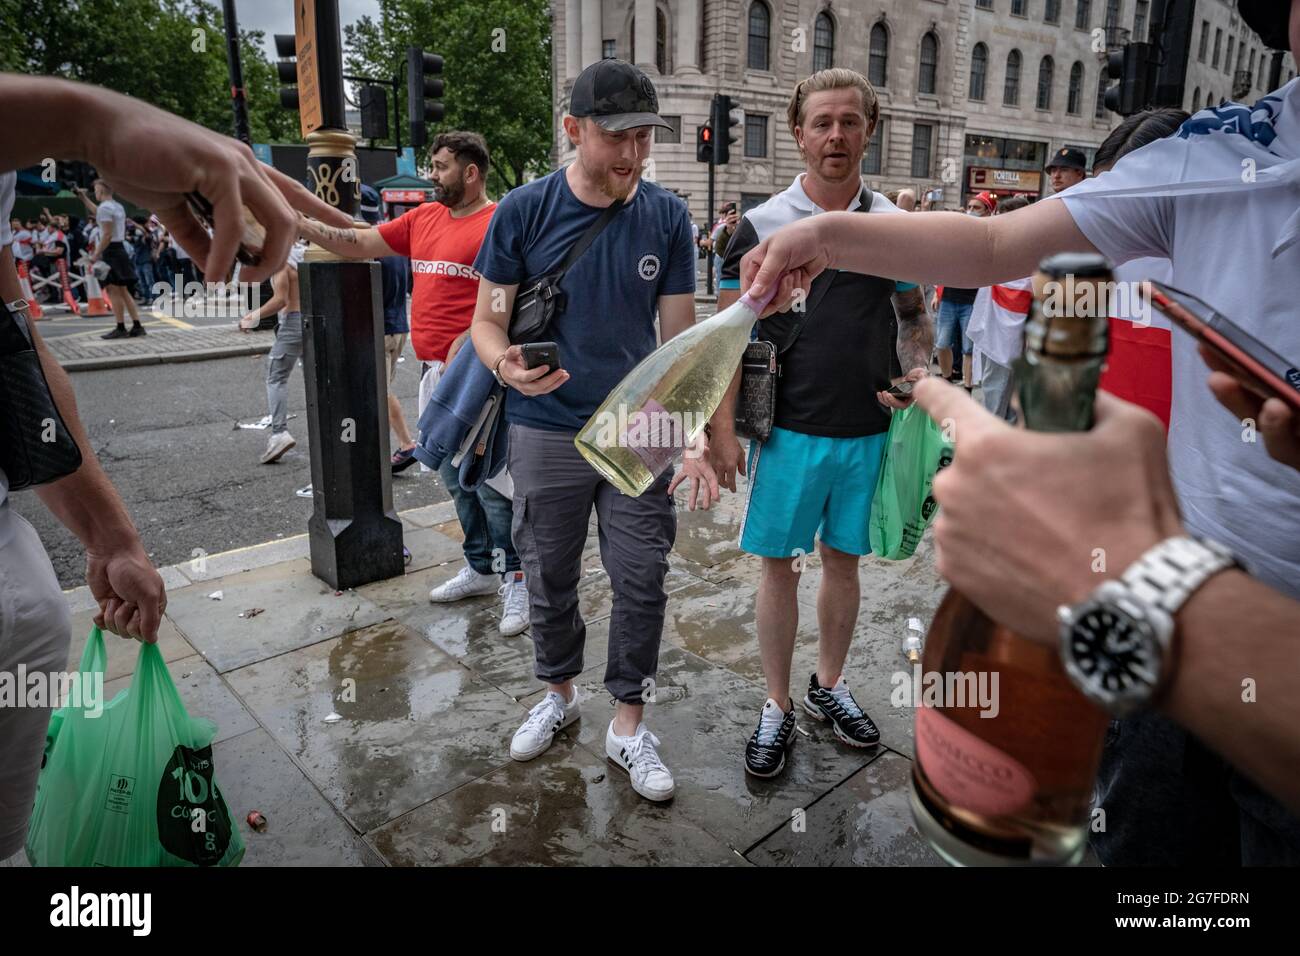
x: 974, y: 93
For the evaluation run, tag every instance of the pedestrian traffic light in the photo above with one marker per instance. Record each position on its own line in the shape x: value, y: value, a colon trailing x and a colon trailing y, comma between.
x: 286, y: 47
x: 1134, y: 67
x: 704, y: 144
x: 423, y: 92
x: 724, y: 119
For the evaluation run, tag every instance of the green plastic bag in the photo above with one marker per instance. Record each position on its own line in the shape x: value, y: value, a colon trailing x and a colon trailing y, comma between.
x: 903, y: 506
x: 134, y: 785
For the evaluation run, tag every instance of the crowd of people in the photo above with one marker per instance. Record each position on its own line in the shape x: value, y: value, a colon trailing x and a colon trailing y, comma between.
x: 1194, y: 777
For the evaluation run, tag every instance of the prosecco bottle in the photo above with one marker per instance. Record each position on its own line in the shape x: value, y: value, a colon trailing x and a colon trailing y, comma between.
x: 1010, y: 781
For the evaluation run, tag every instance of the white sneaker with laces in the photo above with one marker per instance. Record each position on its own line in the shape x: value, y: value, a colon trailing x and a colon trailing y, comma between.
x: 637, y: 755
x: 277, y: 445
x: 514, y: 619
x: 468, y: 583
x: 544, y: 721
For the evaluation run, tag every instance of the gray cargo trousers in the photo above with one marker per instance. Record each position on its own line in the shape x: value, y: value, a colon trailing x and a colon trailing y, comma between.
x: 555, y: 489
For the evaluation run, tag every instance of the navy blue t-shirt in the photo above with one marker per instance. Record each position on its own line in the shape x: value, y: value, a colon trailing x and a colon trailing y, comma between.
x: 396, y: 274
x: 608, y: 324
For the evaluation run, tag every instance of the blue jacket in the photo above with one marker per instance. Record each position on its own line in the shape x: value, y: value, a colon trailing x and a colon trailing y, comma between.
x: 454, y: 409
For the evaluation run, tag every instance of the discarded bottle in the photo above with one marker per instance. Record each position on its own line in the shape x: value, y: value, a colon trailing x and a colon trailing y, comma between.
x: 913, y: 640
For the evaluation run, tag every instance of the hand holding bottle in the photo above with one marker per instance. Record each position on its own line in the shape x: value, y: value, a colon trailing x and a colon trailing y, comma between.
x: 787, y: 260
x: 1022, y: 514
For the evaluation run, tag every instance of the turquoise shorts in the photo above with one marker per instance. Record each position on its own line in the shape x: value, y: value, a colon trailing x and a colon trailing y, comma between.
x: 801, y: 486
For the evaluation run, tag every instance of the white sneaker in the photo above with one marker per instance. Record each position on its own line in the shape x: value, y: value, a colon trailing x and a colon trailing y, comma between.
x: 468, y: 583
x: 514, y: 619
x: 276, y: 446
x: 637, y: 755
x: 544, y: 721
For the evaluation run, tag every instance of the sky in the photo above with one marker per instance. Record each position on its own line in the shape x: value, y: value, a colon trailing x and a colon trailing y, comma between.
x: 276, y: 16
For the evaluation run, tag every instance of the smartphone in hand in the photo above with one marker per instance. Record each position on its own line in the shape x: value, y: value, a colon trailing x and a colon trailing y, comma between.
x: 901, y: 390
x: 541, y: 353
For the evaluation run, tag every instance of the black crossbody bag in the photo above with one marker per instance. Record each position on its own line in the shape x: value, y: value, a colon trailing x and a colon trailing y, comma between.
x: 538, y: 305
x: 760, y: 366
x: 35, y: 444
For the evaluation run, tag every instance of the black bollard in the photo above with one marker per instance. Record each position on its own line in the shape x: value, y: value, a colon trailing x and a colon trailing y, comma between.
x: 355, y: 534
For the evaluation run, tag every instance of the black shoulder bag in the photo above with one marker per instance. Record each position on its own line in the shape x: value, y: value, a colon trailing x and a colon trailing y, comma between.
x: 760, y: 366
x: 35, y: 444
x: 537, y: 305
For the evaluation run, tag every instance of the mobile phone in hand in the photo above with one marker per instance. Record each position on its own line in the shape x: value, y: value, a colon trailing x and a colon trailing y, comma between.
x: 541, y: 353
x: 901, y: 390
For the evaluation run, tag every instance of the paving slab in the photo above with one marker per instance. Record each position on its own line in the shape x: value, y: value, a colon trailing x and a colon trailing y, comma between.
x: 430, y: 547
x: 866, y: 821
x: 124, y: 652
x: 204, y: 694
x: 302, y: 828
x: 566, y: 808
x: 704, y: 714
x: 419, y: 726
x: 297, y: 610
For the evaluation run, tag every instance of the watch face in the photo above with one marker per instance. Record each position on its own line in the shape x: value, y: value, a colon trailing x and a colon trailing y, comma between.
x: 1115, y: 653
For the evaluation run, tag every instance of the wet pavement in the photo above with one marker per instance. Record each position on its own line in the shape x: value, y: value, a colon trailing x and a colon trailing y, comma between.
x: 372, y: 727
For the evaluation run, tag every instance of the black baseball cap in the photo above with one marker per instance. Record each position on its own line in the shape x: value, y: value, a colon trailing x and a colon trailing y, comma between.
x: 1270, y: 19
x: 616, y: 95
x: 1068, y: 158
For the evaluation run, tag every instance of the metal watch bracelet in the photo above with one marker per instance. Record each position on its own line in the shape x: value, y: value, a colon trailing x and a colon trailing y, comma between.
x: 1167, y: 574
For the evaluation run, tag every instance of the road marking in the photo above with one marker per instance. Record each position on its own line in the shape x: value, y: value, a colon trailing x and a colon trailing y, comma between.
x: 170, y: 321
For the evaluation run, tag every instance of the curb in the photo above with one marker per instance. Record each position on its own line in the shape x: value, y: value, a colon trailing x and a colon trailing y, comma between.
x: 160, y: 358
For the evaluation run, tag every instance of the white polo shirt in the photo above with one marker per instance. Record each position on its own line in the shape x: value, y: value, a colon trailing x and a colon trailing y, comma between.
x: 1220, y: 199
x: 111, y: 217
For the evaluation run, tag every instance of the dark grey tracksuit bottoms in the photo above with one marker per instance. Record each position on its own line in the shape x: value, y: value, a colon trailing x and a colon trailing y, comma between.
x: 555, y: 489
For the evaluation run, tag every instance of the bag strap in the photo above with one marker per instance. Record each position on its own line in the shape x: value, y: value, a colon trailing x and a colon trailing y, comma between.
x: 587, y: 238
x: 14, y: 312
x: 814, y: 300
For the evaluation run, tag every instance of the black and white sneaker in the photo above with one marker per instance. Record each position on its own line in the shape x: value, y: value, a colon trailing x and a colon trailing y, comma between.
x: 766, y: 750
x: 836, y: 704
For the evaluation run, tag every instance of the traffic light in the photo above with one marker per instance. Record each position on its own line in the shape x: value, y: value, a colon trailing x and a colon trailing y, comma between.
x: 1134, y: 67
x: 704, y: 144
x: 374, y: 112
x: 724, y: 119
x: 286, y: 47
x: 423, y: 92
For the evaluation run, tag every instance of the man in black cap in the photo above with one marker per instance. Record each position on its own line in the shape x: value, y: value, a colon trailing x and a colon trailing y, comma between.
x: 640, y: 263
x: 1067, y: 168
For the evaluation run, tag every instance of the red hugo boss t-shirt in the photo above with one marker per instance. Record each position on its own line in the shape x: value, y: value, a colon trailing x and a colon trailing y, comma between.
x: 442, y: 250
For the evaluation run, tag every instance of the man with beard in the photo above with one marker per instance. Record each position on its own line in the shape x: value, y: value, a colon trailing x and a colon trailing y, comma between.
x: 442, y: 240
x: 641, y: 261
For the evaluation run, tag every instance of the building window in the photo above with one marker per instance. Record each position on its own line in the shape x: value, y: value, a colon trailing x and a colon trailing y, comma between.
x: 1052, y: 11
x: 1210, y: 101
x: 1196, y: 100
x: 673, y: 135
x: 929, y: 63
x: 755, y: 136
x: 1262, y: 59
x: 1011, y: 89
x: 979, y: 68
x: 1103, y: 83
x: 1044, y: 99
x: 1018, y: 8
x: 1251, y: 70
x: 1083, y: 14
x: 984, y: 4
x: 922, y: 134
x: 1112, y: 13
x: 1140, y: 16
x: 608, y: 49
x: 661, y: 42
x: 1205, y: 40
x: 823, y: 43
x: 1218, y: 47
x: 1227, y: 60
x: 878, y: 61
x: 873, y: 163
x: 1074, y: 105
x: 760, y: 35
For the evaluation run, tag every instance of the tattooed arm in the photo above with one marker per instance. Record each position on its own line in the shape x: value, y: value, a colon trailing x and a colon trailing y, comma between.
x: 349, y: 242
x: 915, y: 341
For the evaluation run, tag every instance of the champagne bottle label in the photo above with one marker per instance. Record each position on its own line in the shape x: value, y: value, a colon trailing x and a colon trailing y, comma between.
x: 654, y: 436
x: 968, y: 771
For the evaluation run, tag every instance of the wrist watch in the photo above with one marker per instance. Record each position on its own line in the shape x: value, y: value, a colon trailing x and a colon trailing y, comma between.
x: 1117, y: 644
x: 496, y: 370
